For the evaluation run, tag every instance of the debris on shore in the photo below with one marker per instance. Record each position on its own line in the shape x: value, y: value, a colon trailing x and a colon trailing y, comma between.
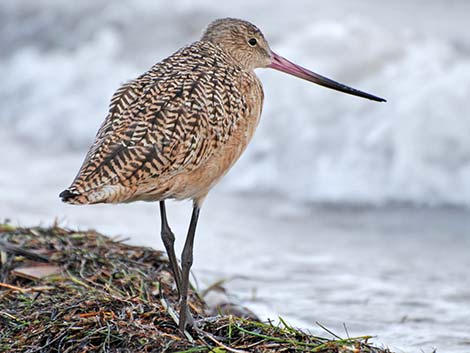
x: 80, y: 291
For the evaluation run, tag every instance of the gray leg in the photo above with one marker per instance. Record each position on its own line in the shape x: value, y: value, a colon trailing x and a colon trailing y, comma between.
x: 186, y: 262
x: 169, y: 241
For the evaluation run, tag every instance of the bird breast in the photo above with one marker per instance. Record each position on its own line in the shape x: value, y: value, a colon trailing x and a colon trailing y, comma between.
x: 197, y: 183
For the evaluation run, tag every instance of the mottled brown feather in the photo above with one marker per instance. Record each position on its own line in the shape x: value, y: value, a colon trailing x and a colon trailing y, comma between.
x: 178, y: 117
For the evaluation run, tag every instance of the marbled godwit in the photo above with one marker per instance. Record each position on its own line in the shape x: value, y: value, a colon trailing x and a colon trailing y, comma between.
x: 173, y: 132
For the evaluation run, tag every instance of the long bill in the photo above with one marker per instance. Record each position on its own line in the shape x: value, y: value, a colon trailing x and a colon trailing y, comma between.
x: 284, y: 65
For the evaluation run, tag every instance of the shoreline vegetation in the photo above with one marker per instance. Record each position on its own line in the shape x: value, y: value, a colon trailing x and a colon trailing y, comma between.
x: 80, y: 291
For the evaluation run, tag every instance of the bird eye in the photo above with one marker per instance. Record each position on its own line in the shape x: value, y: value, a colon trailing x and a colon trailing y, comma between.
x: 252, y: 42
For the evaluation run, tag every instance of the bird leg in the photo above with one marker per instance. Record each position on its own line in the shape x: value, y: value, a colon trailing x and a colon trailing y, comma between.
x: 186, y: 262
x: 168, y: 239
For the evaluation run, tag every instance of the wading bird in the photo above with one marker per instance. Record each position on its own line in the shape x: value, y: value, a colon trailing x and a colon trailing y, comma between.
x: 174, y: 131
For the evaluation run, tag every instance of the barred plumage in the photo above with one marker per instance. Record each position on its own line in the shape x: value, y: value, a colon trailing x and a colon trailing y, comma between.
x: 171, y: 120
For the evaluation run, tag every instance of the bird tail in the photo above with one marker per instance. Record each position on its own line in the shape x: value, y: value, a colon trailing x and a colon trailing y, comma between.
x: 103, y: 194
x: 73, y: 197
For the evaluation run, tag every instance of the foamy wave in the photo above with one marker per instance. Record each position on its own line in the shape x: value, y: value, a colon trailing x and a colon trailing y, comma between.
x: 313, y: 144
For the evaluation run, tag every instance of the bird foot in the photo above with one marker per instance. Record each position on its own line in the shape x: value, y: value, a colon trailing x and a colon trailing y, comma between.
x: 187, y: 320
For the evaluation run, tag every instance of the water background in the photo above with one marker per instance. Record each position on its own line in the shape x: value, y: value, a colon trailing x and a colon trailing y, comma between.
x: 341, y: 210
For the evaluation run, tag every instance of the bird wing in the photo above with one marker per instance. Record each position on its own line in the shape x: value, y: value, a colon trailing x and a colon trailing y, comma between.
x: 170, y: 119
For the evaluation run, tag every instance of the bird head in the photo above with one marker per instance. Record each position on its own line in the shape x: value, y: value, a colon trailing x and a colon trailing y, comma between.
x: 242, y: 40
x: 247, y: 45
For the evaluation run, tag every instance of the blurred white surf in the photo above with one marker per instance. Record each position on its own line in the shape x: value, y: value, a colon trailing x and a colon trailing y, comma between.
x: 60, y: 65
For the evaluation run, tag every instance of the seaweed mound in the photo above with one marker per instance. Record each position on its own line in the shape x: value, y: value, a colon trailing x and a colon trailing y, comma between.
x: 69, y: 291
